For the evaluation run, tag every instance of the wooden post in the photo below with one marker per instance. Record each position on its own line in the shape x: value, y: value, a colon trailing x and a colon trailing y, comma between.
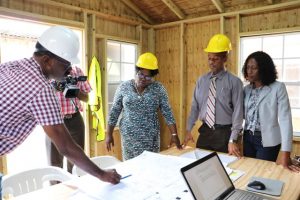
x: 151, y: 40
x: 222, y: 24
x: 183, y: 83
x: 139, y: 31
x: 238, y: 25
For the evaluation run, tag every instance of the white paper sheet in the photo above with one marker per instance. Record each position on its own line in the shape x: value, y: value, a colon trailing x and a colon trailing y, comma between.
x: 152, y: 176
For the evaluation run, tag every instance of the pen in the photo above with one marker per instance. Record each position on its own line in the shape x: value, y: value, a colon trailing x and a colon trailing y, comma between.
x: 126, y: 176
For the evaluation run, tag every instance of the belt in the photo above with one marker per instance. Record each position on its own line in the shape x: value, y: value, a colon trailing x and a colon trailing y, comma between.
x: 70, y: 116
x: 216, y: 126
x: 255, y: 133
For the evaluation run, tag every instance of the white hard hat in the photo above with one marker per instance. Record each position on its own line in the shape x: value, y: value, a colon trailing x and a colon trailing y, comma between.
x: 62, y: 42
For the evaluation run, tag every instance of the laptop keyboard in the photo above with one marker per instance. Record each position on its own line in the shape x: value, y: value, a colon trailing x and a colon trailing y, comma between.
x: 244, y: 196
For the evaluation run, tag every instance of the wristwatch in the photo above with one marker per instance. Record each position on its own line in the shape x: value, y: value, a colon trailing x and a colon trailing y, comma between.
x: 232, y: 141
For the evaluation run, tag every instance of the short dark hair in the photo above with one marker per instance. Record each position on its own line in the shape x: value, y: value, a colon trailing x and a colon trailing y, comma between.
x: 152, y: 72
x: 266, y: 68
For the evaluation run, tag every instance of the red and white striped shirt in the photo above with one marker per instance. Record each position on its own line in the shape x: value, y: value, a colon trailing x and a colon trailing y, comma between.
x: 26, y: 99
x: 67, y: 107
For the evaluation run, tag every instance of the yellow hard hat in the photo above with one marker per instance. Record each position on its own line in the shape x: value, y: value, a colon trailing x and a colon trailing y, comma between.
x: 218, y: 43
x: 147, y: 61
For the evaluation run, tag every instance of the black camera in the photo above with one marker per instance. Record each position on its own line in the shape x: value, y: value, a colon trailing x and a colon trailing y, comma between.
x: 68, y: 85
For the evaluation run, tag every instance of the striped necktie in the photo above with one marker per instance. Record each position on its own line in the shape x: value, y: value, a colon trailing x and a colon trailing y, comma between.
x: 210, y: 118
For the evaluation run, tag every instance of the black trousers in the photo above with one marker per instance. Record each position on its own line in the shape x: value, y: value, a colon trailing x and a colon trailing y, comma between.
x: 75, y: 126
x: 214, y: 139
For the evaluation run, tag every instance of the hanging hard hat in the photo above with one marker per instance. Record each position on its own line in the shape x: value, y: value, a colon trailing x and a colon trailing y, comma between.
x: 218, y: 43
x: 62, y: 42
x: 147, y: 61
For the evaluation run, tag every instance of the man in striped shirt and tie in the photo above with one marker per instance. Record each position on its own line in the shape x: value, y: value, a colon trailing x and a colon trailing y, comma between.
x: 217, y: 102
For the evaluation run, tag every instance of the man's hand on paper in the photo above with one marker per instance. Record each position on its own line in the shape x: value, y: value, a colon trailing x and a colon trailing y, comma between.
x: 188, y: 137
x: 111, y: 176
x: 233, y: 149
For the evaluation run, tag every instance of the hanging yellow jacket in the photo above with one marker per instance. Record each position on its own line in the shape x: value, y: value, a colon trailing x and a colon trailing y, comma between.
x: 95, y: 99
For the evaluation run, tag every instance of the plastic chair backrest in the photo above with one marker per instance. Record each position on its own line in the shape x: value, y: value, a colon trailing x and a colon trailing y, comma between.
x: 101, y: 161
x: 31, y: 180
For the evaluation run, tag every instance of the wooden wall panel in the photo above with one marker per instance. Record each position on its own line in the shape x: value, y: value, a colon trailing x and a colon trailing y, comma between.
x: 144, y: 47
x: 168, y: 53
x: 120, y: 30
x: 197, y: 37
x: 43, y: 9
x: 230, y: 31
x: 286, y: 18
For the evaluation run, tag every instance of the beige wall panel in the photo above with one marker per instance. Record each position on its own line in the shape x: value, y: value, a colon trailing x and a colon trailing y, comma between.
x: 42, y: 9
x: 271, y: 20
x: 167, y: 45
x: 230, y: 31
x: 197, y: 37
x: 115, y: 29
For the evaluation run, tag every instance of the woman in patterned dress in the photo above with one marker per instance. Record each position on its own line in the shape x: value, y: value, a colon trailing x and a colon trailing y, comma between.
x: 140, y: 100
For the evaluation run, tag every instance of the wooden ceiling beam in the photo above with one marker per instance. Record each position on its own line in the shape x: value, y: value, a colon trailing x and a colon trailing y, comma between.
x: 219, y: 5
x: 138, y: 11
x: 174, y: 8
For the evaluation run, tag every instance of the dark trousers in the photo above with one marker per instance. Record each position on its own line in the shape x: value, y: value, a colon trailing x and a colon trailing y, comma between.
x: 253, y: 148
x: 75, y: 126
x: 214, y: 139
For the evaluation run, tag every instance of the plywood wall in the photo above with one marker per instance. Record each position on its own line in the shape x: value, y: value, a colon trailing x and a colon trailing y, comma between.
x: 196, y: 37
x: 168, y: 53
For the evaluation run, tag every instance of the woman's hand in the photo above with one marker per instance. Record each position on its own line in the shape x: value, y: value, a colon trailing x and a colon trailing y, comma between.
x: 109, y: 142
x: 176, y: 141
x: 285, y: 161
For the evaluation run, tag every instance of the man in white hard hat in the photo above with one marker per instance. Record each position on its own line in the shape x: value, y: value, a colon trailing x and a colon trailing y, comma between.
x: 27, y: 99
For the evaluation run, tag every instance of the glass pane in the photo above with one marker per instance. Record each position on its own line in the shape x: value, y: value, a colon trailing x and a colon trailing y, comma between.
x: 278, y: 64
x: 128, y: 53
x: 269, y: 42
x: 113, y: 71
x: 111, y: 91
x: 294, y: 95
x: 292, y: 45
x: 113, y: 51
x: 291, y: 69
x: 128, y: 72
x: 296, y: 119
x: 250, y: 45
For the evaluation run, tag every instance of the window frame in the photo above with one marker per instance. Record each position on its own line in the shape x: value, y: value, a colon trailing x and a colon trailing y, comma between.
x: 282, y: 58
x: 117, y: 83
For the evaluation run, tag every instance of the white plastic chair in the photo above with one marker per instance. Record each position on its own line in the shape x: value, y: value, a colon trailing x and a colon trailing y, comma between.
x: 31, y: 180
x: 101, y: 161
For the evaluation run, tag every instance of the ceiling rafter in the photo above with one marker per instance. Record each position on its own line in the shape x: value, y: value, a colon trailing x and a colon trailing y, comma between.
x: 174, y: 8
x: 138, y: 11
x: 219, y: 5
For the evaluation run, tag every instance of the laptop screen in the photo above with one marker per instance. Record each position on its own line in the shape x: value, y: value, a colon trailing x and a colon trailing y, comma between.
x: 207, y: 178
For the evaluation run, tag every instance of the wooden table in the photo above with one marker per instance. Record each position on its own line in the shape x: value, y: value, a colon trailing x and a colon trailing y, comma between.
x: 251, y: 167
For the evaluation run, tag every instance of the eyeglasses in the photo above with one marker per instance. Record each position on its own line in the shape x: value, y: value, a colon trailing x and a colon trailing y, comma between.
x: 66, y: 65
x: 142, y: 76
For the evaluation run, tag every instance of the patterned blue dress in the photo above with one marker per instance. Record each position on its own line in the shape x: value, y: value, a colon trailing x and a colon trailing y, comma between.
x: 139, y: 124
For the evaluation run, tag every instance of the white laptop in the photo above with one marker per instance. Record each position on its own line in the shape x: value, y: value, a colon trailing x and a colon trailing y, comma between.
x: 208, y: 180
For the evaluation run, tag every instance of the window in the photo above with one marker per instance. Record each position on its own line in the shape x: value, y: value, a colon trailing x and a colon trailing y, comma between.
x: 284, y: 50
x: 121, y: 58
